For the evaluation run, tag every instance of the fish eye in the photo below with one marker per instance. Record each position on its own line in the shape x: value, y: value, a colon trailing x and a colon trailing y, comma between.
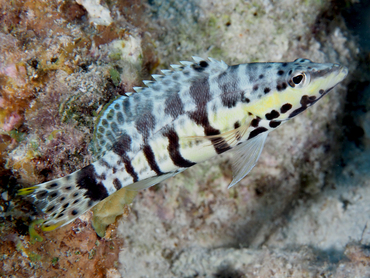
x: 297, y: 79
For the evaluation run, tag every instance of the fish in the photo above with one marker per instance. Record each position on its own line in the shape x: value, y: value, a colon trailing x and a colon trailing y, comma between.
x: 188, y: 114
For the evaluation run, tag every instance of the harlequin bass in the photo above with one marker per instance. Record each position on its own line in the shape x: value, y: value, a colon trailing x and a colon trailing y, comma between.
x: 191, y: 113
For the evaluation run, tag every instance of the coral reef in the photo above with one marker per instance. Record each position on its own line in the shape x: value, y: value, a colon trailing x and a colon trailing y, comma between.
x: 73, y: 251
x: 57, y: 72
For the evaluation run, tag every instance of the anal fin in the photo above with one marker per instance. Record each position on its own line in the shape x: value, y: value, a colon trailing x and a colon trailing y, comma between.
x: 143, y: 184
x: 246, y: 156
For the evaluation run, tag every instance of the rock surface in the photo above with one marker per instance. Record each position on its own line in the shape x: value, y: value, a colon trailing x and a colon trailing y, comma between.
x: 301, y: 212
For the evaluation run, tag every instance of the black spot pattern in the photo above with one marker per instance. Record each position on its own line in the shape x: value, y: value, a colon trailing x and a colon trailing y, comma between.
x: 52, y: 185
x: 266, y: 90
x: 50, y: 209
x: 282, y: 86
x: 198, y: 67
x: 52, y: 195
x: 41, y: 194
x: 101, y: 129
x: 115, y: 128
x: 203, y: 64
x: 305, y: 102
x: 257, y: 131
x: 272, y: 115
x: 285, y: 108
x: 255, y: 122
x: 117, y: 184
x: 274, y: 124
x: 110, y: 115
x: 110, y: 136
x: 243, y: 98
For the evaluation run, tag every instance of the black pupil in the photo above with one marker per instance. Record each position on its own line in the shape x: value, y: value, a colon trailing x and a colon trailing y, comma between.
x: 297, y: 79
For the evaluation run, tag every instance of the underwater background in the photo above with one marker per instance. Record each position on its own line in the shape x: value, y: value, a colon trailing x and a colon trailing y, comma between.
x: 303, y: 211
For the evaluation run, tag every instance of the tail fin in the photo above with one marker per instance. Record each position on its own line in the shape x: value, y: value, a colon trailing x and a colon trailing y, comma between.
x: 65, y: 199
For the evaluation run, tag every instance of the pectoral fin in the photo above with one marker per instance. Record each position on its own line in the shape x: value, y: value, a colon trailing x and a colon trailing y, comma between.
x: 225, y: 139
x: 246, y: 156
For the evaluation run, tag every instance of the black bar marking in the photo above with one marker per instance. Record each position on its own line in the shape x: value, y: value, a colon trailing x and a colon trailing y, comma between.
x: 174, y: 106
x: 122, y: 145
x: 120, y: 148
x: 230, y: 91
x: 145, y: 124
x: 297, y: 111
x: 130, y: 170
x: 150, y: 158
x: 117, y: 184
x: 201, y: 95
x: 174, y: 149
x: 87, y: 179
x: 257, y: 131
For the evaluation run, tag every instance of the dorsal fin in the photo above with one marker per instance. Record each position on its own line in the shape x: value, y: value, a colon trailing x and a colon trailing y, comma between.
x: 112, y: 122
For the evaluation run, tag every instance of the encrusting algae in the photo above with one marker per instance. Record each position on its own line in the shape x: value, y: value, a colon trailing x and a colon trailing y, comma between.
x: 190, y: 114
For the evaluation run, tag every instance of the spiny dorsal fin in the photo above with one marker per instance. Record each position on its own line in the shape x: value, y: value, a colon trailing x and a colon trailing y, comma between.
x: 179, y: 77
x: 216, y: 66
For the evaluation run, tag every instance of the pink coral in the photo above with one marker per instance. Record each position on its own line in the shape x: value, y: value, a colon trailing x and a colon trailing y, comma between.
x: 12, y: 121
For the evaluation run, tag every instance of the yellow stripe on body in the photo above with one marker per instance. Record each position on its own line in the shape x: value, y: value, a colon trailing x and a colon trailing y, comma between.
x: 194, y: 149
x: 225, y: 118
x: 273, y: 101
x: 290, y: 95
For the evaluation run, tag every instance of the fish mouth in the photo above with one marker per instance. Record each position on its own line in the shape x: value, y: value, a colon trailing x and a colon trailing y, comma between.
x: 342, y: 71
x: 337, y: 71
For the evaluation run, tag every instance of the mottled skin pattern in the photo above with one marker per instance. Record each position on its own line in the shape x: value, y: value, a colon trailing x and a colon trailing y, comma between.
x: 189, y: 114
